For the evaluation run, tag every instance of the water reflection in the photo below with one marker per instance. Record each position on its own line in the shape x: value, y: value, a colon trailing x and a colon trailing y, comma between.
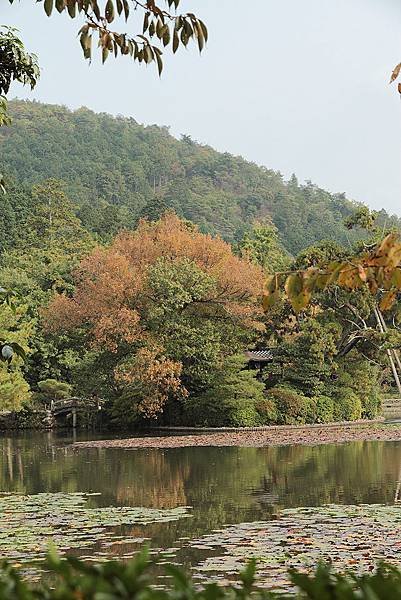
x: 223, y: 485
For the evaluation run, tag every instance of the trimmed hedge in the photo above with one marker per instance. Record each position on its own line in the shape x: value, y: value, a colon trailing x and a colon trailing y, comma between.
x: 347, y: 406
x: 267, y: 411
x: 292, y: 407
x: 212, y: 411
x: 324, y: 409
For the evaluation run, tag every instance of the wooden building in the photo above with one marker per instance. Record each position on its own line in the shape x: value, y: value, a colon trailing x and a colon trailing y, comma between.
x: 258, y: 359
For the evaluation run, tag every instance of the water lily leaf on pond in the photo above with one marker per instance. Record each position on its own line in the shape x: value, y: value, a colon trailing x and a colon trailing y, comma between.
x: 30, y: 523
x: 350, y: 537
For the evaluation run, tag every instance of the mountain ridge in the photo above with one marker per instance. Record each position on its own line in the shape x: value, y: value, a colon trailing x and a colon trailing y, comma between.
x: 117, y: 170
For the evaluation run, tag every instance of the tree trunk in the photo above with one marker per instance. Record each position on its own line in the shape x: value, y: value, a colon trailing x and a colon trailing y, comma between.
x: 389, y: 352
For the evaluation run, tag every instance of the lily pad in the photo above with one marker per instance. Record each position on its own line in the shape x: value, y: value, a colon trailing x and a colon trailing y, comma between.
x: 350, y: 537
x: 30, y: 523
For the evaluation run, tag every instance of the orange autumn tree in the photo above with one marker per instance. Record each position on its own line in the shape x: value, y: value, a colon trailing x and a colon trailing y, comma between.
x: 156, y: 379
x: 167, y: 303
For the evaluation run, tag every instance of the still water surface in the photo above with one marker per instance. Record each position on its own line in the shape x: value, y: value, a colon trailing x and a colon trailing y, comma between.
x: 222, y: 485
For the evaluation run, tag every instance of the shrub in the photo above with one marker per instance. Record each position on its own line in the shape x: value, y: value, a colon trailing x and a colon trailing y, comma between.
x: 30, y: 419
x: 383, y: 584
x: 310, y: 410
x: 363, y: 379
x: 209, y: 410
x: 292, y: 407
x: 324, y: 409
x: 267, y: 411
x: 371, y: 405
x: 205, y: 411
x: 26, y: 418
x: 125, y: 411
x: 14, y: 390
x: 347, y: 406
x: 243, y: 414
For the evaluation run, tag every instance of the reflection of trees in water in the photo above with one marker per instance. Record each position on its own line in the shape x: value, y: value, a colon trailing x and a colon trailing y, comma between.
x: 157, y: 482
x: 21, y: 469
x: 224, y: 485
x: 358, y: 472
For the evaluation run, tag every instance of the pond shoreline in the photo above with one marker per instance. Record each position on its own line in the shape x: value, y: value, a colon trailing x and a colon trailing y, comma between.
x: 311, y: 435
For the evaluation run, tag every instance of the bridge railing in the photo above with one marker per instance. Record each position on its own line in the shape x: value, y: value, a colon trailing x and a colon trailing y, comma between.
x: 75, y: 403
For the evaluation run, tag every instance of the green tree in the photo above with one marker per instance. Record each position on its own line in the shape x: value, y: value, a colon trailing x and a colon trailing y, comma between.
x: 154, y: 209
x: 305, y: 359
x: 51, y: 389
x: 232, y: 399
x: 333, y: 351
x: 14, y: 389
x: 193, y: 328
x: 262, y: 245
x: 48, y: 241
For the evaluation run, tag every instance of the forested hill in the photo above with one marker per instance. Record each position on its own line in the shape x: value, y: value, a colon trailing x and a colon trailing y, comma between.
x: 116, y: 170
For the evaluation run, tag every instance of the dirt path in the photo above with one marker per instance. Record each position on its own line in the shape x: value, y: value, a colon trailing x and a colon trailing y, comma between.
x: 274, y: 436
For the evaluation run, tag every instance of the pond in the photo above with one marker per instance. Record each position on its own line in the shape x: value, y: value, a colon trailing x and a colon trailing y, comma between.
x: 92, y: 502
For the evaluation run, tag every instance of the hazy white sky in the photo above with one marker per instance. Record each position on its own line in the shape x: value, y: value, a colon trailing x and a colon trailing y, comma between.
x: 296, y: 85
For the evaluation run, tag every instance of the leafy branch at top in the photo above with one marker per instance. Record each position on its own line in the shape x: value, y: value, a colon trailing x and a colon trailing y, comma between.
x: 15, y: 65
x: 161, y: 25
x: 379, y: 269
